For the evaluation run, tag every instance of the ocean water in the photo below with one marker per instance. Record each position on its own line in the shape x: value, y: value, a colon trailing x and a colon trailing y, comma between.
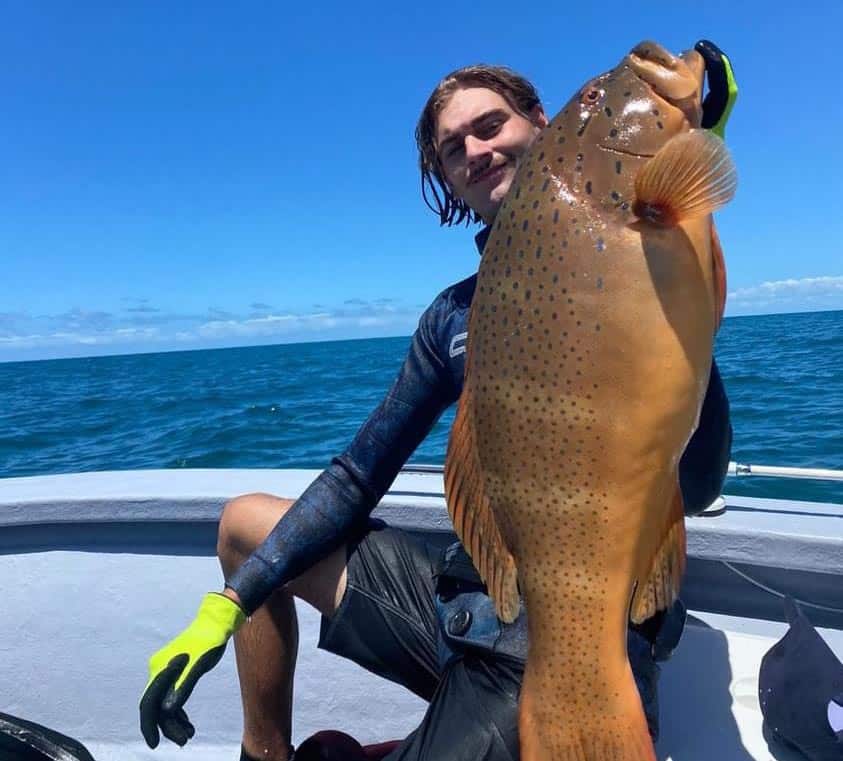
x: 297, y: 405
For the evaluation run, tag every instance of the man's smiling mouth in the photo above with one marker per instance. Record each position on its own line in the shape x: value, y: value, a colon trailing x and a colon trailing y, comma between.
x: 486, y: 173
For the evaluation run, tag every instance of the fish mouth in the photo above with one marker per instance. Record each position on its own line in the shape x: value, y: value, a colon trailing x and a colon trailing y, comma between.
x: 621, y: 151
x: 676, y: 79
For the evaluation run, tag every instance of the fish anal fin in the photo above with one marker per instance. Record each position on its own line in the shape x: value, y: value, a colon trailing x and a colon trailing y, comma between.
x: 472, y: 515
x: 660, y: 587
x: 692, y: 175
x: 718, y: 264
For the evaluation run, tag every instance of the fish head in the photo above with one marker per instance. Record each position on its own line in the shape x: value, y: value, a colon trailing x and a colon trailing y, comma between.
x: 619, y: 120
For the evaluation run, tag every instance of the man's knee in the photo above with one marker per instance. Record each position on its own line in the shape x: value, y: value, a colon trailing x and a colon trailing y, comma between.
x: 245, y: 522
x: 248, y: 519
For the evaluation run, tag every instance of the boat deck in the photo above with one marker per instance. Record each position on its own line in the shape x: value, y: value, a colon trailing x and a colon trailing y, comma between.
x: 101, y: 569
x: 708, y: 694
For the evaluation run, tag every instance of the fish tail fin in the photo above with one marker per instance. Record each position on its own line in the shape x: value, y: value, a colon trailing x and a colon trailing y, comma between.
x: 472, y: 515
x: 692, y: 175
x: 616, y: 732
x: 660, y: 586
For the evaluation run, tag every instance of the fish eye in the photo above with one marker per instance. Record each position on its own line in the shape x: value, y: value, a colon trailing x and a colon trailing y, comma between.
x: 591, y: 95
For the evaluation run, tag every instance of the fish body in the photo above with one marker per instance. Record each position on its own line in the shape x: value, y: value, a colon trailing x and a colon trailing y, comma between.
x: 589, y: 349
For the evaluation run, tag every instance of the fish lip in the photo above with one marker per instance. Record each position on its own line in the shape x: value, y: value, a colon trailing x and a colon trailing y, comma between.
x: 625, y: 153
x: 662, y: 71
x: 690, y: 102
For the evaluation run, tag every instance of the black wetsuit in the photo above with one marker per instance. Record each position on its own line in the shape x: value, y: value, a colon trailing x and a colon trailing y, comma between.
x: 384, y: 566
x: 431, y: 379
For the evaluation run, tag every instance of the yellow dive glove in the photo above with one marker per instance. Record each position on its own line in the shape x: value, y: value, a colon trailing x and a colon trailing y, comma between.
x: 176, y: 667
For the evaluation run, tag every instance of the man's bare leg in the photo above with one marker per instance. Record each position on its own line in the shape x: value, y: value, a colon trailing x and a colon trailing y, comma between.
x: 267, y: 644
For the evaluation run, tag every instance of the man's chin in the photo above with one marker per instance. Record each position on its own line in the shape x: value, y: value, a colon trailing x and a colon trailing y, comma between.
x: 497, y: 197
x: 488, y: 206
x: 502, y: 188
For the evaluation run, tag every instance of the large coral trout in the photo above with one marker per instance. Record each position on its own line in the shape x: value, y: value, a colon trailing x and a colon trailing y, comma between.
x: 589, y: 349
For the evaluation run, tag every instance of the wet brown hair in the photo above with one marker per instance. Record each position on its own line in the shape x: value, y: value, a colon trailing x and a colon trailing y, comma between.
x: 517, y: 91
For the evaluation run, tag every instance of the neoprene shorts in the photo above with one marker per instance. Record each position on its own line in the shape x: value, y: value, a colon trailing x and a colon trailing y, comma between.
x: 391, y: 623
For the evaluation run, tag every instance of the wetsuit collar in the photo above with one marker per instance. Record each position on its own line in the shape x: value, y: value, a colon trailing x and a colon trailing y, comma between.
x: 481, y: 238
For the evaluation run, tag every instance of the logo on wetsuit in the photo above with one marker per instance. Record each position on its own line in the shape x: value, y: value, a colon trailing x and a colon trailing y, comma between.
x: 457, y: 346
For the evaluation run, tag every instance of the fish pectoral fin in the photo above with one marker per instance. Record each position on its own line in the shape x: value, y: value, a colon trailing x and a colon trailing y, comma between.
x: 660, y: 588
x: 473, y: 518
x: 692, y: 175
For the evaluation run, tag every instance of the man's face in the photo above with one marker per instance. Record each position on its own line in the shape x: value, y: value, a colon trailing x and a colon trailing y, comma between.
x: 479, y: 139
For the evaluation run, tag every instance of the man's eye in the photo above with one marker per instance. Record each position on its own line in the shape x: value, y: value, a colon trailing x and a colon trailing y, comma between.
x: 490, y: 128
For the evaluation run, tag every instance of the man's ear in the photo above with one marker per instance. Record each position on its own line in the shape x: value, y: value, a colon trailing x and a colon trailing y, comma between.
x: 538, y: 116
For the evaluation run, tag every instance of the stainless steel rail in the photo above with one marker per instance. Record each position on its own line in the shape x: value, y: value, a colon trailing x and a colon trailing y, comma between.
x: 772, y: 471
x: 737, y: 469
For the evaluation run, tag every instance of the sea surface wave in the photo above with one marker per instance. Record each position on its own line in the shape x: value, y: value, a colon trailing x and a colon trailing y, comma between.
x: 298, y: 405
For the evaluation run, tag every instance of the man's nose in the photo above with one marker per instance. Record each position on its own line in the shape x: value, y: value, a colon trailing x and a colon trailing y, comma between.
x: 476, y: 149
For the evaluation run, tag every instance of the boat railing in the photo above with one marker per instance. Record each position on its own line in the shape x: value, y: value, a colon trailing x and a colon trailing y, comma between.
x: 736, y: 469
x: 740, y: 469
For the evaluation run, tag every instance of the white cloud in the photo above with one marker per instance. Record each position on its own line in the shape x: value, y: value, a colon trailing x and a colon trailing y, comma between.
x: 791, y: 295
x: 283, y: 325
x: 143, y: 309
x: 75, y: 338
x: 79, y: 331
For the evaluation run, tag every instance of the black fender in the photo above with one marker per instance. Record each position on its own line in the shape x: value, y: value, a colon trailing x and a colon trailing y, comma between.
x: 22, y: 740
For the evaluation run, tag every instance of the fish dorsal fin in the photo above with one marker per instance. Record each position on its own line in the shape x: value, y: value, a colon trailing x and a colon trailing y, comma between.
x: 718, y: 264
x: 472, y: 515
x: 692, y: 175
x: 660, y: 588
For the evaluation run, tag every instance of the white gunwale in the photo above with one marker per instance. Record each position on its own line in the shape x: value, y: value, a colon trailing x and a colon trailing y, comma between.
x: 101, y: 569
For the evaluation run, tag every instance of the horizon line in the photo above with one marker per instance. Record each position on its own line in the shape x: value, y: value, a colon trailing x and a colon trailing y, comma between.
x: 318, y: 341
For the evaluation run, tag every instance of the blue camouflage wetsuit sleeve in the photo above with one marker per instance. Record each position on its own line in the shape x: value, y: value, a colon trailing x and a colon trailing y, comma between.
x: 337, y: 503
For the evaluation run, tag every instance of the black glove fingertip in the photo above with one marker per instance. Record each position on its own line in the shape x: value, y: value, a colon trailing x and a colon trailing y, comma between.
x: 152, y: 699
x: 150, y: 732
x: 186, y: 723
x: 174, y: 730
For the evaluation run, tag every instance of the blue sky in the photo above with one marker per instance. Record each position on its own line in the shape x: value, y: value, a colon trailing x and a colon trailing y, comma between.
x: 188, y: 175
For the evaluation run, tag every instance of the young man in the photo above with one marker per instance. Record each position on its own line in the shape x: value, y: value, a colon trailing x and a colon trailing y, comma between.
x: 389, y: 602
